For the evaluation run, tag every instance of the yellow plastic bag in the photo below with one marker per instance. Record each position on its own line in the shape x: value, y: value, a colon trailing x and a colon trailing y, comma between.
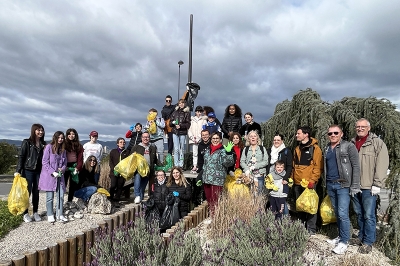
x: 307, y: 202
x: 153, y: 127
x: 127, y: 167
x: 326, y: 211
x: 142, y: 165
x: 18, y: 199
x: 235, y: 185
x: 103, y: 191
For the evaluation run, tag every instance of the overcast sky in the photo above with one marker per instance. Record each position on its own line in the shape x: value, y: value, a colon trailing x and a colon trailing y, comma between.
x: 101, y: 65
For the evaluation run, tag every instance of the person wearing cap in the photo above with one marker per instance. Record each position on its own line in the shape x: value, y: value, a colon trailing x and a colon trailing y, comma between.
x: 194, y: 133
x: 93, y: 148
x: 211, y: 125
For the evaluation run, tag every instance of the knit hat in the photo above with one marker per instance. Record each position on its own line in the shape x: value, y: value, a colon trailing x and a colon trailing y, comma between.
x: 93, y: 134
x: 211, y: 114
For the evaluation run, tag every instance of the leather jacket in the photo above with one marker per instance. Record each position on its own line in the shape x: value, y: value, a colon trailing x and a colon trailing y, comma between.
x: 30, y: 157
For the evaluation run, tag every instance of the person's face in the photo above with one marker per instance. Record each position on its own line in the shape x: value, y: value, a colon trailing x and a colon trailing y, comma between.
x: 215, y: 140
x: 176, y: 175
x: 199, y: 113
x: 60, y: 139
x: 71, y: 135
x: 168, y: 101
x: 277, y: 141
x: 235, y: 139
x: 362, y: 128
x: 300, y: 136
x: 279, y: 168
x: 334, y: 135
x: 181, y: 105
x: 160, y: 176
x: 253, y: 138
x: 93, y: 138
x: 232, y: 109
x: 93, y: 161
x: 205, y: 136
x: 211, y: 119
x: 138, y: 128
x: 248, y: 118
x: 39, y: 133
x: 145, y: 138
x: 121, y: 144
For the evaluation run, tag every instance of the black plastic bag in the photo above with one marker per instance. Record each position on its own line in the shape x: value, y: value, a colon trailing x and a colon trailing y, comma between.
x: 151, y: 214
x: 171, y: 213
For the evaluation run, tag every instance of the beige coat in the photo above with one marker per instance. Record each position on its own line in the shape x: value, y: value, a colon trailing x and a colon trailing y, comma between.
x: 196, y: 125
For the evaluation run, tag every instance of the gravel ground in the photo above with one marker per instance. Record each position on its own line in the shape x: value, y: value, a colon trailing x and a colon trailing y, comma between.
x: 29, y: 236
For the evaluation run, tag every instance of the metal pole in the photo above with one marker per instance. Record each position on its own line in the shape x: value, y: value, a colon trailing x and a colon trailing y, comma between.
x: 180, y: 62
x: 190, y: 49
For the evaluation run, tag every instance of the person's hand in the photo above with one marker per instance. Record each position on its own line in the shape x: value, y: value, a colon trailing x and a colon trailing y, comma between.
x: 229, y: 146
x: 284, y: 182
x: 310, y: 185
x: 247, y: 173
x: 131, y: 127
x: 252, y: 168
x: 174, y: 122
x: 175, y: 193
x: 16, y: 173
x: 375, y: 190
x: 177, y: 126
x: 231, y: 173
x: 199, y: 183
x: 354, y: 191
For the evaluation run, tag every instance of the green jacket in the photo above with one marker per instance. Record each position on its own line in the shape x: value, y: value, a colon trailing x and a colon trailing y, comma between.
x: 374, y: 162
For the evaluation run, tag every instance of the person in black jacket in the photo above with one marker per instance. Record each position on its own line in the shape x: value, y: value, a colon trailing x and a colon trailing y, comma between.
x: 249, y: 126
x: 166, y: 112
x: 135, y: 134
x: 87, y: 184
x: 179, y: 187
x: 160, y: 191
x: 29, y: 166
x: 279, y: 151
x: 117, y: 181
x: 232, y: 121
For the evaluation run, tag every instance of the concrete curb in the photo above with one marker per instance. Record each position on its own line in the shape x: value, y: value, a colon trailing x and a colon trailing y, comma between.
x: 6, y: 178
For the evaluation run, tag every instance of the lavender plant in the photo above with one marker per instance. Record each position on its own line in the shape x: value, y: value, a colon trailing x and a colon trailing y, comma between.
x: 260, y: 241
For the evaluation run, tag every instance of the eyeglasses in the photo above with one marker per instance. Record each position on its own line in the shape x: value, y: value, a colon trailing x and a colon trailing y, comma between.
x: 362, y: 127
x: 145, y: 137
x: 330, y: 133
x: 168, y: 101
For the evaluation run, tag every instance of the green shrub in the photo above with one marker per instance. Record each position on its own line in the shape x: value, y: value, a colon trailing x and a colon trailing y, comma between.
x: 8, y: 156
x: 261, y: 241
x: 141, y: 244
x: 7, y: 220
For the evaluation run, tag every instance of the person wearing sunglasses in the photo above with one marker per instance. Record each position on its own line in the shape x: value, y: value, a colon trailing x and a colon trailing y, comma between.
x: 166, y: 113
x: 342, y: 180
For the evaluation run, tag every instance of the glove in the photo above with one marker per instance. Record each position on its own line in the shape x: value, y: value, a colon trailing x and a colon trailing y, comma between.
x: 310, y: 185
x: 199, y: 183
x: 375, y: 190
x: 16, y: 173
x: 116, y: 173
x: 132, y: 127
x: 175, y: 193
x: 55, y: 174
x: 354, y: 191
x: 231, y: 173
x: 229, y: 146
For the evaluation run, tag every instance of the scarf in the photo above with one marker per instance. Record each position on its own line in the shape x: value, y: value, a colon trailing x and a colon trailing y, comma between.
x: 214, y: 148
x: 360, y: 141
x: 275, y: 152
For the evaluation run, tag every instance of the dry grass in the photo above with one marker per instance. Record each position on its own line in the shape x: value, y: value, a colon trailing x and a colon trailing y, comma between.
x: 233, y: 207
x: 104, y: 180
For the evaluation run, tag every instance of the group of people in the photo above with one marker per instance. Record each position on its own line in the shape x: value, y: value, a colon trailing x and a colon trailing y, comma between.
x: 350, y: 170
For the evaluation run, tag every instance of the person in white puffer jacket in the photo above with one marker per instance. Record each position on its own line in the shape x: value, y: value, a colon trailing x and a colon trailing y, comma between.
x: 194, y: 133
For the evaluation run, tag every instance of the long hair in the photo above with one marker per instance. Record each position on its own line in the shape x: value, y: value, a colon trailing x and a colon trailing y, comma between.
x: 55, y: 146
x: 32, y: 137
x: 240, y: 144
x: 182, y: 179
x: 238, y: 111
x: 88, y: 167
x: 72, y: 145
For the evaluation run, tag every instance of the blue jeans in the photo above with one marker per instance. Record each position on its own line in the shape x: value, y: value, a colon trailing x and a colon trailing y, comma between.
x: 179, y: 149
x: 364, y: 206
x: 140, y: 184
x: 160, y: 149
x: 97, y: 175
x: 340, y: 199
x: 59, y: 203
x: 33, y: 180
x: 85, y: 193
x: 261, y: 185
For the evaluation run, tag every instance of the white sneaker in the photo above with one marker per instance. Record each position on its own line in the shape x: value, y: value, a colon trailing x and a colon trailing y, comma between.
x: 334, y: 241
x: 37, y: 217
x: 137, y: 200
x: 62, y: 219
x: 340, y: 248
x: 50, y: 219
x: 81, y: 204
x: 27, y: 218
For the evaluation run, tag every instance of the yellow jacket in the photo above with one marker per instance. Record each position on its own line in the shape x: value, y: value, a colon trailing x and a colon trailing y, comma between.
x: 311, y: 172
